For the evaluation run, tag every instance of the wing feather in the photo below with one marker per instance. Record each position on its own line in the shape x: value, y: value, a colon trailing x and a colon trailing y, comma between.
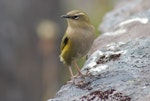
x: 64, y: 42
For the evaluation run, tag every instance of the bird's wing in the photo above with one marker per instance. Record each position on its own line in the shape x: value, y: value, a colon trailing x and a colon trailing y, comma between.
x: 64, y: 42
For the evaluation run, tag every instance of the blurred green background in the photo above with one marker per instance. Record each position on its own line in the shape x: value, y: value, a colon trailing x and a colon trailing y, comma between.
x: 30, y: 35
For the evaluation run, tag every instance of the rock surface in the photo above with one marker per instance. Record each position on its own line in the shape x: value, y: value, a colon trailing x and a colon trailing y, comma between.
x: 120, y: 72
x: 119, y: 67
x: 123, y: 10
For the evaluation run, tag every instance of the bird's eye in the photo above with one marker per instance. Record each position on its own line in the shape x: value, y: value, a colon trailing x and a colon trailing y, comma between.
x: 75, y: 17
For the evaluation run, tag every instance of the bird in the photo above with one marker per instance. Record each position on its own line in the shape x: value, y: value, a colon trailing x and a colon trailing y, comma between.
x: 77, y: 40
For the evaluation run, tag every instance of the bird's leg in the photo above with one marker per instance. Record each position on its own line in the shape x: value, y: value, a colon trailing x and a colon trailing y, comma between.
x: 77, y: 68
x: 72, y: 76
x: 71, y: 73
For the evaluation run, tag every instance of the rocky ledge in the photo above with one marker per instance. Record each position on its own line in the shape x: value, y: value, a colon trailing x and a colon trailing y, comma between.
x: 118, y: 67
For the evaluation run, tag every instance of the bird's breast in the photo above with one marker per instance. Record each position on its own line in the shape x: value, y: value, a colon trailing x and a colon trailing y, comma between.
x: 82, y: 40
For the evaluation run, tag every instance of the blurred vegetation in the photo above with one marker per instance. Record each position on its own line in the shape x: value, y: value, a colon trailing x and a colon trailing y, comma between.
x: 30, y: 35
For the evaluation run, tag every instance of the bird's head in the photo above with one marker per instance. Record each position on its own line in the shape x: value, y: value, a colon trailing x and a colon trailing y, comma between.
x: 77, y: 18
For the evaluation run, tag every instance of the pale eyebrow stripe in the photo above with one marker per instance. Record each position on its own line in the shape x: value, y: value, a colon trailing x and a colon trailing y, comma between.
x: 80, y: 14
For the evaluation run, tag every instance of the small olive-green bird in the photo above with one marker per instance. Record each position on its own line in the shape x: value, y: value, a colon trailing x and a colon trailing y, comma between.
x: 77, y: 40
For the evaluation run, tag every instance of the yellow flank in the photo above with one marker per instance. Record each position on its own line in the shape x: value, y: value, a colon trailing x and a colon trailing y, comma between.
x: 66, y: 53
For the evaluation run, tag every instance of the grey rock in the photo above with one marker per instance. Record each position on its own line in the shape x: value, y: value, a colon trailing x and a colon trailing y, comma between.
x: 121, y: 73
x: 127, y: 30
x: 122, y: 11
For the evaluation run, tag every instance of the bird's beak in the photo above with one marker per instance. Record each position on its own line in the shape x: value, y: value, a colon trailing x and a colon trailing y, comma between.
x: 65, y: 16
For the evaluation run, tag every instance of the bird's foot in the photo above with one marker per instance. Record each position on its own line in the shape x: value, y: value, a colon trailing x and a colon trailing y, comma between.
x: 79, y: 74
x: 72, y: 79
x: 70, y: 82
x: 77, y: 79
